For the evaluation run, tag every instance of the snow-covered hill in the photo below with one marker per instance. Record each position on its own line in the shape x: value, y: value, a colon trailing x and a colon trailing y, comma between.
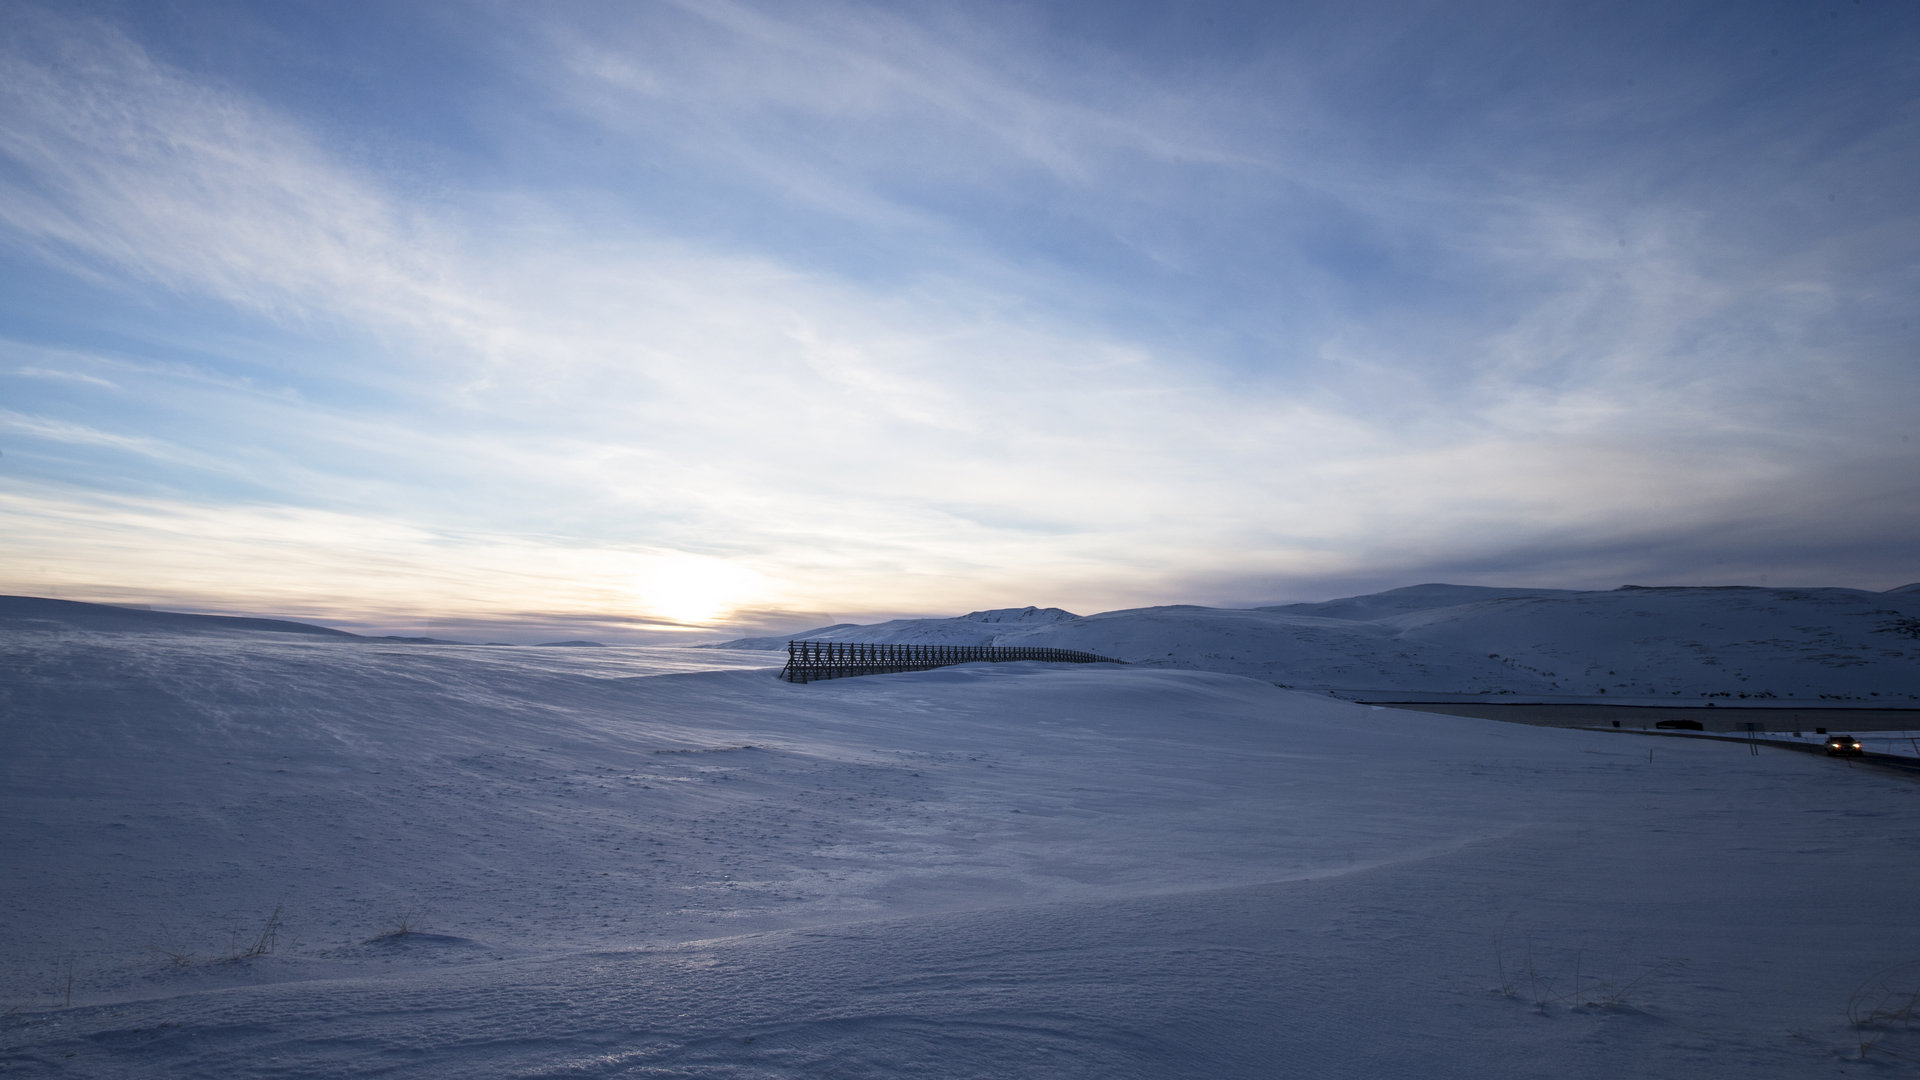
x: 37, y: 612
x: 263, y: 853
x: 41, y: 613
x: 1632, y: 645
x: 975, y: 628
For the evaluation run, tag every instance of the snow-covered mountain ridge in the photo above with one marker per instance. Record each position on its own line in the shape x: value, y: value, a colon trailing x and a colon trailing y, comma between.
x: 974, y: 628
x: 1633, y: 644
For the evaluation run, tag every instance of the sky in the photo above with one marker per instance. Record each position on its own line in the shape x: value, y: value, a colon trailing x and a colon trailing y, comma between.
x: 654, y: 320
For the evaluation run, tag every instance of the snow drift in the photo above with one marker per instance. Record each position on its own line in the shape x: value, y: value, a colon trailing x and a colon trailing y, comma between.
x: 631, y: 862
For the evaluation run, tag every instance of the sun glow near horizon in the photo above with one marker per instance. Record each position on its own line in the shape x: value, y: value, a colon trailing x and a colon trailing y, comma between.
x: 697, y: 590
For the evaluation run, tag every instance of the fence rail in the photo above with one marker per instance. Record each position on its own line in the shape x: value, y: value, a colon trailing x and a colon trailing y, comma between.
x: 811, y: 660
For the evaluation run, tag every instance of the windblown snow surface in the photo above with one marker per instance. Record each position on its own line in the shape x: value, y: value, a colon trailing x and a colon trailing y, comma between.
x: 631, y: 862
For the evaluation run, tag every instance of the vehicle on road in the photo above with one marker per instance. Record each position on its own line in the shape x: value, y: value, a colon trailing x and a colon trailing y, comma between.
x: 1843, y: 746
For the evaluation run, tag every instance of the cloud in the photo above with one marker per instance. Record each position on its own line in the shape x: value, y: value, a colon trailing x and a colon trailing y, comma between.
x: 136, y: 166
x: 60, y: 431
x: 916, y: 83
x: 63, y: 376
x: 355, y: 569
x: 894, y: 311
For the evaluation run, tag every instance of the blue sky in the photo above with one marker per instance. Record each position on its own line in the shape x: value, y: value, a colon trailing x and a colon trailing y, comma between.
x: 638, y: 317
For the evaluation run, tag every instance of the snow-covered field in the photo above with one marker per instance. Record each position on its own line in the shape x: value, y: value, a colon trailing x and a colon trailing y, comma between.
x: 1663, y: 646
x: 666, y: 863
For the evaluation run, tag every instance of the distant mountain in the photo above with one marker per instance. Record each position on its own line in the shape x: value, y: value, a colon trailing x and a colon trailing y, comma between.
x: 1633, y: 645
x: 1410, y: 598
x: 974, y: 628
x: 779, y: 641
x: 1026, y: 616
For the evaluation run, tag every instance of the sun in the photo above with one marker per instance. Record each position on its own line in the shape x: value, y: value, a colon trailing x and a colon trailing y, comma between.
x: 693, y: 589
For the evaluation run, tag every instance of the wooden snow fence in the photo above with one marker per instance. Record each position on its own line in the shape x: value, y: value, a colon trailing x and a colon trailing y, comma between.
x: 811, y: 660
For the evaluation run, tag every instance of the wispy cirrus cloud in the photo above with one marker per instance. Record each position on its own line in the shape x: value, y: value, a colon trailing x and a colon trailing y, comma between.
x: 123, y: 164
x: 61, y: 431
x: 63, y: 376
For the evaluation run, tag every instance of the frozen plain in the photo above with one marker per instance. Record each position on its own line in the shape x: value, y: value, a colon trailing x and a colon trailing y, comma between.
x: 639, y: 863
